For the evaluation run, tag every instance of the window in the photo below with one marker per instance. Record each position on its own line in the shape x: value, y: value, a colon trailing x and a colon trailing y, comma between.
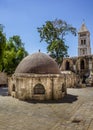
x: 81, y: 42
x: 39, y: 89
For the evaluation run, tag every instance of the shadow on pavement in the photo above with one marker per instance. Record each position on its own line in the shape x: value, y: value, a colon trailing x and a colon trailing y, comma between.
x: 67, y: 99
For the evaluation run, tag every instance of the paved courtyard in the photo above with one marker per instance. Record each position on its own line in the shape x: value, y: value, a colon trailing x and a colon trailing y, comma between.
x: 74, y: 112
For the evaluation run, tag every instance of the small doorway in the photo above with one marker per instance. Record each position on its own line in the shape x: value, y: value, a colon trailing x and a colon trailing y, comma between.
x: 67, y: 65
x: 82, y: 65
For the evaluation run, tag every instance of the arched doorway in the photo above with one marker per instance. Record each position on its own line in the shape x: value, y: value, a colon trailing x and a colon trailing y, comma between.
x: 39, y: 89
x: 67, y: 65
x: 82, y: 65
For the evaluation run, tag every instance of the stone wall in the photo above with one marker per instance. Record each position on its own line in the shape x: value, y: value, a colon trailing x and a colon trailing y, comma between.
x: 70, y: 61
x: 22, y: 85
x: 71, y: 79
x: 81, y: 65
x: 3, y: 78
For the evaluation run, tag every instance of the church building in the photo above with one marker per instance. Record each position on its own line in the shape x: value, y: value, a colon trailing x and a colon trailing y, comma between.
x: 81, y: 65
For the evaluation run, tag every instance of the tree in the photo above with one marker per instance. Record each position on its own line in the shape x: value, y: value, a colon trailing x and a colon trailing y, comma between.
x: 14, y: 53
x: 2, y: 45
x: 53, y: 33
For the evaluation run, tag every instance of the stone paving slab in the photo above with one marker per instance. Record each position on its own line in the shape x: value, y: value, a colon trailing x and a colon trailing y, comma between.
x: 74, y: 112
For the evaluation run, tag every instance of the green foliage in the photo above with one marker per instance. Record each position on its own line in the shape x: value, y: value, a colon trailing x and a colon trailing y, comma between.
x: 2, y: 45
x: 53, y: 33
x: 14, y: 53
x: 2, y: 42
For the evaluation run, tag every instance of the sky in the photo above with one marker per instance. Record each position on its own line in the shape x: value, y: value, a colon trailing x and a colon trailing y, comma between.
x: 23, y: 17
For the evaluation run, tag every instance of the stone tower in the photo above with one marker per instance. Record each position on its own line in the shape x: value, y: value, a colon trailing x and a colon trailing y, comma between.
x: 84, y: 41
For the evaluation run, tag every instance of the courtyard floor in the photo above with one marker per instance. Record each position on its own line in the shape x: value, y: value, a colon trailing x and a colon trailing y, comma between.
x: 74, y: 112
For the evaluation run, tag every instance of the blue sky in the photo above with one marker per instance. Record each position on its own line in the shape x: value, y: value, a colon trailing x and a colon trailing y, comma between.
x: 22, y: 17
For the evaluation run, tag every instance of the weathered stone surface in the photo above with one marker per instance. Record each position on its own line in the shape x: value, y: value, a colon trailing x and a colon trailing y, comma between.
x: 75, y: 64
x: 38, y: 63
x: 54, y: 85
x: 3, y: 78
x: 74, y: 112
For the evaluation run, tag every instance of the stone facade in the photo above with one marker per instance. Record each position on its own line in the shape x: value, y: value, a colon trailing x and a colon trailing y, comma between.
x: 72, y: 80
x: 82, y: 67
x: 83, y: 64
x: 48, y: 87
x: 22, y: 86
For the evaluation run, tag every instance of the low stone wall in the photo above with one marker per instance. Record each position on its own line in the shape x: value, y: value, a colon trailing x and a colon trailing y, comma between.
x: 3, y: 79
x: 71, y: 79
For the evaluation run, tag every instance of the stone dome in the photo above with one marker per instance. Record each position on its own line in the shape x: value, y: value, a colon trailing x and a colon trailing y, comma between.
x: 38, y: 63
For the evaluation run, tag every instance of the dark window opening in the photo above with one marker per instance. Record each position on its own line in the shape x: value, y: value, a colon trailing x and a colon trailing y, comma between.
x: 82, y: 66
x: 67, y: 66
x: 84, y: 42
x: 39, y: 89
x: 81, y: 42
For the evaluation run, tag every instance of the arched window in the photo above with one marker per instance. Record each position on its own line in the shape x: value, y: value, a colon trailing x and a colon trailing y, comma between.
x: 81, y: 42
x: 84, y: 42
x: 39, y: 89
x: 13, y: 87
x: 67, y: 65
x: 82, y: 66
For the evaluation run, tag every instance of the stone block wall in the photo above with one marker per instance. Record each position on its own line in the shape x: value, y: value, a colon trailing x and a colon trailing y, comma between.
x: 81, y: 65
x: 22, y: 85
x: 3, y: 79
x: 71, y: 79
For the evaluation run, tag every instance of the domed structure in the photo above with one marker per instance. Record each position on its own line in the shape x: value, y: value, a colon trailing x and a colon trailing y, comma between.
x: 37, y: 77
x: 38, y: 63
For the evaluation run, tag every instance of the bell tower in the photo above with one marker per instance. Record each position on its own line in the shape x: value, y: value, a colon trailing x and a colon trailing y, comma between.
x: 84, y: 41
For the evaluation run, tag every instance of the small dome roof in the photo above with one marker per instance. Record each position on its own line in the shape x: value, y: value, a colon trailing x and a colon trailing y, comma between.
x: 38, y: 63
